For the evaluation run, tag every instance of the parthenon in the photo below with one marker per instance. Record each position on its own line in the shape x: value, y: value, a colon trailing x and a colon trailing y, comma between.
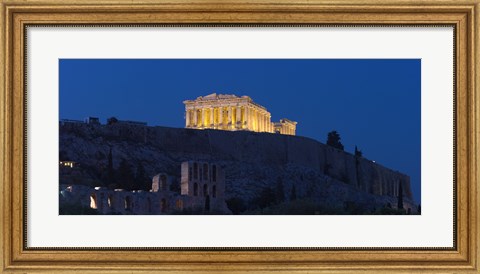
x: 231, y: 112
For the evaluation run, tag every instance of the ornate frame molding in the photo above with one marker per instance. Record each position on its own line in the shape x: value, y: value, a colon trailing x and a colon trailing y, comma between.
x: 19, y: 14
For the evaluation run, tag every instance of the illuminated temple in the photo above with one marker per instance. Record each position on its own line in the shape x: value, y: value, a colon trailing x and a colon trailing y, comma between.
x: 230, y: 112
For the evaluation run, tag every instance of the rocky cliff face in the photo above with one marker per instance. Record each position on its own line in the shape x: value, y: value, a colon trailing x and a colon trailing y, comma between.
x: 252, y: 161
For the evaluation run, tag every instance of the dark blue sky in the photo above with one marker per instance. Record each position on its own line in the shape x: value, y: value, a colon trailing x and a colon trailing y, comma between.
x: 372, y: 103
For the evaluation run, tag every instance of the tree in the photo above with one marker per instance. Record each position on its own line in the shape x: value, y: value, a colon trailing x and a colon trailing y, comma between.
x: 333, y: 140
x: 236, y: 205
x: 63, y: 156
x: 67, y: 209
x: 126, y: 178
x: 111, y: 171
x: 112, y: 120
x: 175, y: 186
x: 293, y: 194
x: 400, y: 196
x: 280, y: 193
x: 141, y: 179
x: 358, y: 153
x: 265, y: 198
x: 326, y: 168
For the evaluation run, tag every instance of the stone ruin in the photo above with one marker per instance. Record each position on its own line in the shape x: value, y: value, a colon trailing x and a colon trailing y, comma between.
x: 202, y: 192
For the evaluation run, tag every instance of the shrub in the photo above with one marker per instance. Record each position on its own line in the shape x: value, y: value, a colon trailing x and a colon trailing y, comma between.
x: 76, y: 210
x: 236, y: 205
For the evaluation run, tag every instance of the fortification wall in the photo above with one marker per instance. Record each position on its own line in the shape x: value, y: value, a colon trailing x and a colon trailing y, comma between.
x: 258, y: 149
x: 275, y: 149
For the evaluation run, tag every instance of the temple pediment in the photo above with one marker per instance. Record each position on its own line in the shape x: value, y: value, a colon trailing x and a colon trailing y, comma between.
x: 210, y: 96
x: 215, y: 96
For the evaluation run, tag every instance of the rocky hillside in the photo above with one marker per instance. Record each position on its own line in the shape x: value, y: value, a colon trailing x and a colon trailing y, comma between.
x: 298, y: 167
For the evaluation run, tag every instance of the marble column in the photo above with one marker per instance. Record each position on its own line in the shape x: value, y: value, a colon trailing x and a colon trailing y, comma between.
x: 195, y: 117
x: 215, y: 117
x: 244, y: 121
x: 238, y: 122
x: 252, y: 112
x: 229, y: 123
x: 234, y: 117
x: 265, y: 125
x: 255, y: 121
x: 220, y: 117
x: 259, y: 119
x: 202, y: 121
x: 269, y: 124
x: 259, y: 125
x: 187, y: 118
x: 249, y: 118
x: 262, y: 122
x: 212, y: 118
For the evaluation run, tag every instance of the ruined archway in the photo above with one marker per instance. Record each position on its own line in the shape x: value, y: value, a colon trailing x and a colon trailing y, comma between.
x: 110, y: 201
x: 205, y: 171
x: 128, y: 203
x: 195, y: 189
x: 205, y: 190
x: 163, y: 182
x: 179, y: 204
x: 195, y: 171
x: 93, y: 201
x: 214, y: 173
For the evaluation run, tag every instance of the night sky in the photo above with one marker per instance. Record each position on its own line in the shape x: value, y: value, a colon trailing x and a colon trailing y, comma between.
x: 372, y: 103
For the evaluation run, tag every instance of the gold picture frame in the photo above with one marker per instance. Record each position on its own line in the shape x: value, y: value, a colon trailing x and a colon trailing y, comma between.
x: 16, y: 15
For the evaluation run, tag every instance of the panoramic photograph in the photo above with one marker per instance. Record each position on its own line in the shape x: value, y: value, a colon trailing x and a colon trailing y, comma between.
x: 239, y: 136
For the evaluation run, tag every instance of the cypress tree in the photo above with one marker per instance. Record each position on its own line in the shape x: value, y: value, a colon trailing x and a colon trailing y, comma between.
x: 127, y: 179
x: 293, y: 194
x: 207, y: 203
x: 333, y: 140
x: 280, y: 193
x: 111, y: 171
x: 141, y: 180
x: 400, y: 196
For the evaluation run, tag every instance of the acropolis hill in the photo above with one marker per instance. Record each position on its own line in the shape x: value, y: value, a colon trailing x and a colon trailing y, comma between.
x: 252, y: 161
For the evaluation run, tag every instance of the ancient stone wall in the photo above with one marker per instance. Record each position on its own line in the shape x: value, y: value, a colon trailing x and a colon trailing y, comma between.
x: 274, y: 149
x: 253, y: 148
